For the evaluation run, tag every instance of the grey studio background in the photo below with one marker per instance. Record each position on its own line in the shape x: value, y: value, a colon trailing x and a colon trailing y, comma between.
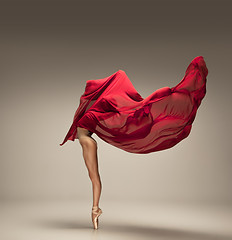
x: 49, y: 49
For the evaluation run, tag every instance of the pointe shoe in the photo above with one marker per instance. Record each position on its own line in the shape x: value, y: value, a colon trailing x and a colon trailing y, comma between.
x: 98, y: 211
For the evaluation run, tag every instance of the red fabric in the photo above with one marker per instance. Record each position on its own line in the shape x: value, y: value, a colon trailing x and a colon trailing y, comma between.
x: 115, y: 111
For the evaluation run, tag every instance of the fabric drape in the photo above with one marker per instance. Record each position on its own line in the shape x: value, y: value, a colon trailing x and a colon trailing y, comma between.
x: 112, y: 108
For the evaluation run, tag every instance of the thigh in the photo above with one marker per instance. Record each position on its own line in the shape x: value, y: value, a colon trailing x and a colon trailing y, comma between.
x: 83, y: 132
x: 89, y: 147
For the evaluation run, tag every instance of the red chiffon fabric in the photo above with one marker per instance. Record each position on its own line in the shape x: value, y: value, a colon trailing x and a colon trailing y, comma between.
x: 115, y: 111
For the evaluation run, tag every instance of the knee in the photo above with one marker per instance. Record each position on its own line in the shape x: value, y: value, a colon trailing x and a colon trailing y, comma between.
x: 87, y: 142
x: 95, y: 178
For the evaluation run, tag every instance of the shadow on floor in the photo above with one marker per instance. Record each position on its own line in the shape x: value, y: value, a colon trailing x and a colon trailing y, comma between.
x: 133, y: 231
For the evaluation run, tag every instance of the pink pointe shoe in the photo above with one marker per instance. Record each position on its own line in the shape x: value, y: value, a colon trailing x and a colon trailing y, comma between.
x: 98, y: 211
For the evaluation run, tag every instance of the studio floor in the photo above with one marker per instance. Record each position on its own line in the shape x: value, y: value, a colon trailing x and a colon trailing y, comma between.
x: 69, y: 220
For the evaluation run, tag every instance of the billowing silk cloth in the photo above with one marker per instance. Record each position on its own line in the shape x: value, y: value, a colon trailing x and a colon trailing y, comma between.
x: 115, y: 111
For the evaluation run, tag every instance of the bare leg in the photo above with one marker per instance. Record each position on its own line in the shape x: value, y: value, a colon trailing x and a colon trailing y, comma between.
x: 89, y: 147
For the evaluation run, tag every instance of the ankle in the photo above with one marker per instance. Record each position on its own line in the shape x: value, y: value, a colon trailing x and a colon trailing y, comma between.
x: 96, y: 210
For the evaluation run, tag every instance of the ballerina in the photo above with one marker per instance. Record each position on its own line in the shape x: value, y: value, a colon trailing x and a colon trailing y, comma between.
x: 113, y: 109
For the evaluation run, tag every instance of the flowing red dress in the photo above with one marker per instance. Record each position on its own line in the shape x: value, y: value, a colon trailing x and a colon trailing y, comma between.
x: 115, y: 111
